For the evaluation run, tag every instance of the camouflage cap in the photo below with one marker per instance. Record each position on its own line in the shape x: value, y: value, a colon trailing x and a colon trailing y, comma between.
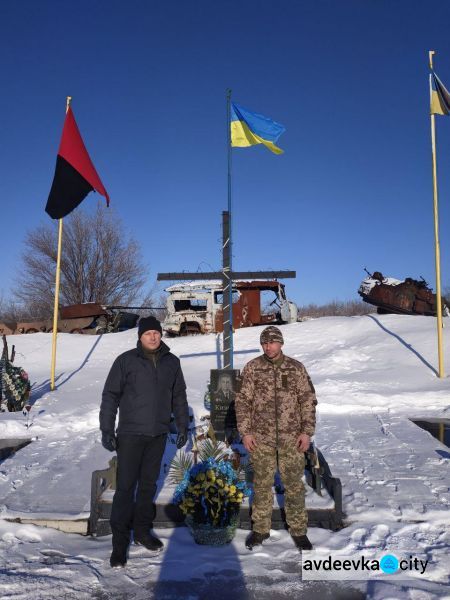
x: 271, y: 334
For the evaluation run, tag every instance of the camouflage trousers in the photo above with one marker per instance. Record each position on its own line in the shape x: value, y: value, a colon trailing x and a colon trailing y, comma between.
x: 291, y: 465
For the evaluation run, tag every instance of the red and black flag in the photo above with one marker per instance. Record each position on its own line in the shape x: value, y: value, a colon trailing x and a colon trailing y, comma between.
x: 75, y: 175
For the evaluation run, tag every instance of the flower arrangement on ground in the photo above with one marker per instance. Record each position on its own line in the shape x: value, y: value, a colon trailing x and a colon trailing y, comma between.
x: 210, y: 494
x: 14, y: 386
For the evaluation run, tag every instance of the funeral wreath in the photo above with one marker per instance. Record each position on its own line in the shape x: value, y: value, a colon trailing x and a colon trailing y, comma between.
x: 210, y: 494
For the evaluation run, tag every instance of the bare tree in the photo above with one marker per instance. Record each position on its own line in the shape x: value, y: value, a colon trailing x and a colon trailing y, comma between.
x: 99, y: 263
x: 156, y: 298
x: 9, y: 311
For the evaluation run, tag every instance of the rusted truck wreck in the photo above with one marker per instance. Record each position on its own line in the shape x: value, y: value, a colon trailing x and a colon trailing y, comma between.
x: 407, y: 297
x: 196, y: 307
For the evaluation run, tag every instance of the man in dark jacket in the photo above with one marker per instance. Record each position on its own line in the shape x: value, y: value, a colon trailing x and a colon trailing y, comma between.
x: 146, y: 386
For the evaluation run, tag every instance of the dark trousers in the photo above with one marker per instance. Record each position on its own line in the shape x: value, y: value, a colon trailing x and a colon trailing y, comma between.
x: 138, y: 464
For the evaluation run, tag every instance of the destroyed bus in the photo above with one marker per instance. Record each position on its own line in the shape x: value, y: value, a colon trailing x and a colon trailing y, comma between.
x: 197, y: 307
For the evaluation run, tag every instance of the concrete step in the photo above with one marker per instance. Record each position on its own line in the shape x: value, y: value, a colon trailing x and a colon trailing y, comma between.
x: 80, y: 526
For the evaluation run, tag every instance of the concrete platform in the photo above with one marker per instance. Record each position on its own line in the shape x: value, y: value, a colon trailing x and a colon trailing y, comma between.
x: 323, y: 511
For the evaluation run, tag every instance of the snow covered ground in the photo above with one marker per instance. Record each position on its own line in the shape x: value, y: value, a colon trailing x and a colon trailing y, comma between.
x: 372, y: 374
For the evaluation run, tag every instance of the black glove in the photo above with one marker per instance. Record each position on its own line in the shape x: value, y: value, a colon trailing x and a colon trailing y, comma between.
x: 182, y: 438
x: 109, y: 441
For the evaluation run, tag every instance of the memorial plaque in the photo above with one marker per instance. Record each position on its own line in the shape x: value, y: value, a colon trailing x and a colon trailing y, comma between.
x: 224, y: 385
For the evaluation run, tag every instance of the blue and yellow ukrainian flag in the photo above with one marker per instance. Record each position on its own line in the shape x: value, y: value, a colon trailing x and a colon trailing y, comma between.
x: 439, y: 96
x: 249, y: 128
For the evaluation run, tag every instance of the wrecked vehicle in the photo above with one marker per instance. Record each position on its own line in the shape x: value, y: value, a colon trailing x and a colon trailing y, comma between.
x: 196, y: 307
x: 87, y: 318
x: 398, y: 296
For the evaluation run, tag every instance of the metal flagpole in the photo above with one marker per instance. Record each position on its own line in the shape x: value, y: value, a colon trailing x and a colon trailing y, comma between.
x: 227, y: 260
x: 56, y: 304
x: 436, y: 234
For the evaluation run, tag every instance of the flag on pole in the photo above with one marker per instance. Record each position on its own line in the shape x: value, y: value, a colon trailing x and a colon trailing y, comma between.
x: 439, y: 96
x: 249, y: 128
x: 75, y: 175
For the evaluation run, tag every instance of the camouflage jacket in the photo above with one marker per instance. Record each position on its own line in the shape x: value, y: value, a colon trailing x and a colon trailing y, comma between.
x: 275, y: 403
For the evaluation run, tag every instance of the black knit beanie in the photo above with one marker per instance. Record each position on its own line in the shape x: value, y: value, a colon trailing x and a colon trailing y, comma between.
x: 147, y: 324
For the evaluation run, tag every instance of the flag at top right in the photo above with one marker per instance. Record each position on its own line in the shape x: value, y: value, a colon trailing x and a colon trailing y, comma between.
x: 439, y: 96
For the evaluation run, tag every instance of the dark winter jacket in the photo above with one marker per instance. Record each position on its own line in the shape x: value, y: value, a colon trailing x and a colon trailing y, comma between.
x: 146, y: 394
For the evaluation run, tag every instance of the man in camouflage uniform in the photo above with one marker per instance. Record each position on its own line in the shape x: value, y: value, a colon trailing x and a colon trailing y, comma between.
x: 275, y: 411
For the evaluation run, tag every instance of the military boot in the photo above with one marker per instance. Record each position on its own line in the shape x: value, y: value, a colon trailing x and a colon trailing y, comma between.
x: 302, y: 542
x: 149, y: 541
x: 255, y: 539
x: 118, y: 558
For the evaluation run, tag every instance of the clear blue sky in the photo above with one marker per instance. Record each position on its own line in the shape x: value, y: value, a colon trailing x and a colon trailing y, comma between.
x: 347, y: 78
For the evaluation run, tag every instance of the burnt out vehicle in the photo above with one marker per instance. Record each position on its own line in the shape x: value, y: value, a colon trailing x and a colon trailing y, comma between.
x: 88, y: 318
x: 197, y: 307
x: 399, y: 296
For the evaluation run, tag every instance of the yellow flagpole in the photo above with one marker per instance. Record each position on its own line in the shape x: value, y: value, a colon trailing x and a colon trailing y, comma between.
x: 56, y: 304
x: 436, y: 236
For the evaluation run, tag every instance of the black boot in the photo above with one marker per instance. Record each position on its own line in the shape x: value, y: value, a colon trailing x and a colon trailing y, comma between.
x: 302, y: 542
x: 149, y: 541
x: 255, y: 539
x: 118, y: 558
